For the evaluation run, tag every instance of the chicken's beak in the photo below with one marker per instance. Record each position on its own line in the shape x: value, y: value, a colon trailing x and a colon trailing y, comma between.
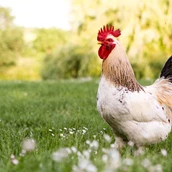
x: 100, y: 42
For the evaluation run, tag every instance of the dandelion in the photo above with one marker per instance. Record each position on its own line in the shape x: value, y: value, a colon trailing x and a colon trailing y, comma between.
x: 28, y: 145
x: 60, y: 154
x: 163, y: 152
x: 107, y: 138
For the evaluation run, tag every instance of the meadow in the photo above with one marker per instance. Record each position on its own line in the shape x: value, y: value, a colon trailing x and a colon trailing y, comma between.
x: 54, y: 126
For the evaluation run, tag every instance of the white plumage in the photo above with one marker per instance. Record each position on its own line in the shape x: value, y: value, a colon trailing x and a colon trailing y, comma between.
x: 135, y: 116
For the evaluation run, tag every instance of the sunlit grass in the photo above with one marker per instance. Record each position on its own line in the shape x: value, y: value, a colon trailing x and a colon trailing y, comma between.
x: 55, y: 126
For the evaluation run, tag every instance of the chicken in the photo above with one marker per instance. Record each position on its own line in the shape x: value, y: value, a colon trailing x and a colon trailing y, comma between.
x: 141, y: 114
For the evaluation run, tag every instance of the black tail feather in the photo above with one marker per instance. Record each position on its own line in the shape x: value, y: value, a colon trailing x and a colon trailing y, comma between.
x: 167, y: 70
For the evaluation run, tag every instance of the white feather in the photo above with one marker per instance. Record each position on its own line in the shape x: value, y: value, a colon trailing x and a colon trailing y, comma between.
x: 136, y: 115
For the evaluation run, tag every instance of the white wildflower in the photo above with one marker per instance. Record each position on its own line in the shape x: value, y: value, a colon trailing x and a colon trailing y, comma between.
x: 85, y: 128
x: 84, y: 131
x: 105, y: 158
x: 94, y: 144
x: 73, y: 149
x: 71, y: 132
x: 163, y: 152
x: 60, y: 154
x: 88, y: 142
x: 23, y: 153
x: 128, y: 162
x: 85, y: 165
x: 15, y: 161
x: 50, y: 130
x: 139, y: 151
x: 146, y: 163
x: 114, y: 160
x: 86, y: 154
x: 107, y: 138
x: 156, y: 168
x: 130, y: 143
x: 112, y: 145
x: 62, y: 135
x: 94, y: 136
x: 28, y: 145
x: 52, y: 134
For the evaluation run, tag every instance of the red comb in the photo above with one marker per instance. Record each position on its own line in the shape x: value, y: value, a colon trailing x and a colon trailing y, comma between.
x: 106, y: 30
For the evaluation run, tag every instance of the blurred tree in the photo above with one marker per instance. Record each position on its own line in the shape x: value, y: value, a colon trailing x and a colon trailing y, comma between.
x: 146, y: 35
x: 48, y: 39
x: 11, y: 38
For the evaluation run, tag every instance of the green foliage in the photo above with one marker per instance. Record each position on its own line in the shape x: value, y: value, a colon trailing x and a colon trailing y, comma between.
x: 48, y: 39
x: 146, y: 29
x: 11, y: 39
x: 55, y: 114
x: 70, y: 61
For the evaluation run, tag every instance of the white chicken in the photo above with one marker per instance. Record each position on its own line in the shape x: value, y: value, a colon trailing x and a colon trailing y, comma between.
x: 136, y: 113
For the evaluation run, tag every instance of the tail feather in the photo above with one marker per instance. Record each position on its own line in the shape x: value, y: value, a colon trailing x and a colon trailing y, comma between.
x: 167, y: 70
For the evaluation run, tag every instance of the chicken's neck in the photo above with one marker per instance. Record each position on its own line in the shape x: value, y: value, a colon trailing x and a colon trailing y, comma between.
x: 117, y: 69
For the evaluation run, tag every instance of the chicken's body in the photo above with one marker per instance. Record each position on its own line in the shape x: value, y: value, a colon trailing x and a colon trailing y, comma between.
x: 139, y: 114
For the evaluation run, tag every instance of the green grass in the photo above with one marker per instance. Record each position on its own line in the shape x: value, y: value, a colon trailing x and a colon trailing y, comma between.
x: 62, y: 115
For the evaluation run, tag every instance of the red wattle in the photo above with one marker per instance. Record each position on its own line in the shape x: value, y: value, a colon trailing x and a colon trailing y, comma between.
x: 105, y: 50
